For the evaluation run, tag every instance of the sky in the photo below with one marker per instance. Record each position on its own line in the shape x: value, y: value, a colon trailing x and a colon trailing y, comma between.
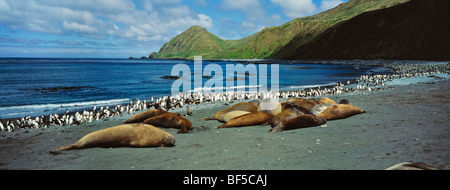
x: 124, y: 28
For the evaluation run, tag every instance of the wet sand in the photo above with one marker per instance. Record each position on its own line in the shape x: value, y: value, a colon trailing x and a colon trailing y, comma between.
x: 406, y: 123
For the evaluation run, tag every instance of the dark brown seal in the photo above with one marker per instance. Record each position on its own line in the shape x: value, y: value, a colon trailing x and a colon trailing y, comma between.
x: 170, y: 120
x: 140, y: 117
x: 303, y: 121
x: 304, y: 105
x: 286, y: 114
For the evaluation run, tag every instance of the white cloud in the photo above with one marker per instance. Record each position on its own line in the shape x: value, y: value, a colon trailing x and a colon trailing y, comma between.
x: 102, y: 19
x: 328, y: 4
x: 256, y: 18
x: 301, y: 8
x: 241, y: 4
x: 80, y: 28
x: 251, y: 8
x: 297, y: 8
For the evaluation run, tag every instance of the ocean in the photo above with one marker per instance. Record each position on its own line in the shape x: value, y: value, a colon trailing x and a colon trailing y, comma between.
x: 42, y: 86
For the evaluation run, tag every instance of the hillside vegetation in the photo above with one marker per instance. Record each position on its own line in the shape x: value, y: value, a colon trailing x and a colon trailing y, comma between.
x: 416, y: 30
x: 269, y: 42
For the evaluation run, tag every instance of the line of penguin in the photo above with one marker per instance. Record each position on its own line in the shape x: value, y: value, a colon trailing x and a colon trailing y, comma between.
x: 364, y: 83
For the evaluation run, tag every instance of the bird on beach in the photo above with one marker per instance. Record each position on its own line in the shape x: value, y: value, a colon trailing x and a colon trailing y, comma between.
x: 188, y: 111
x: 2, y: 127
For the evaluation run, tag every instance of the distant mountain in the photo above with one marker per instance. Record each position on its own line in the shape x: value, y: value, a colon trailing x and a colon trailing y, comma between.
x: 415, y: 30
x: 192, y: 42
x: 270, y: 42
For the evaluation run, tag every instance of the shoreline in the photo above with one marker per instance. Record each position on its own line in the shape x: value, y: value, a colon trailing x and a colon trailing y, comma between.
x: 407, y: 122
x: 396, y: 70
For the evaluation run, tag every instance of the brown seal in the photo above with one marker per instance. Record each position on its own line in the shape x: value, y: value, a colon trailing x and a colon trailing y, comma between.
x: 326, y: 100
x: 303, y: 121
x: 140, y: 117
x: 170, y: 120
x: 128, y: 135
x: 304, y: 105
x: 340, y: 111
x: 345, y: 101
x: 319, y: 108
x: 255, y: 118
x: 286, y: 114
x: 242, y: 106
x: 230, y: 115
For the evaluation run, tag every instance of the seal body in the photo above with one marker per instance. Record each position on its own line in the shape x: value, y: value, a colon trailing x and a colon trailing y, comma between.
x: 412, y: 166
x: 326, y: 100
x: 140, y: 117
x: 256, y: 118
x: 242, y: 106
x: 230, y: 115
x: 128, y: 135
x: 340, y: 111
x: 345, y: 101
x: 303, y: 121
x: 286, y: 114
x: 319, y: 108
x: 304, y: 105
x: 170, y: 120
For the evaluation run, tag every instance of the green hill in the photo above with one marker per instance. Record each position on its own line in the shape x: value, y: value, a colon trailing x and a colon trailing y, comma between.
x: 415, y: 30
x: 269, y: 42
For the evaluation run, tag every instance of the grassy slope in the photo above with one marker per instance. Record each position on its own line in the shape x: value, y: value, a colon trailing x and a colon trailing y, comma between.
x: 271, y: 42
x: 327, y: 19
x: 414, y: 30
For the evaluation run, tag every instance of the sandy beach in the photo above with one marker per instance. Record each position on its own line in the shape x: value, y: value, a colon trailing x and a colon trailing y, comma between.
x: 406, y: 122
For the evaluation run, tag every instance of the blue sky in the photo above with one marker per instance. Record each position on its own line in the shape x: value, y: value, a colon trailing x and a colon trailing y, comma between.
x: 123, y: 28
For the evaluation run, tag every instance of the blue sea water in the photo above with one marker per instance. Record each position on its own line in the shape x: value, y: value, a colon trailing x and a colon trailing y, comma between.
x: 41, y: 86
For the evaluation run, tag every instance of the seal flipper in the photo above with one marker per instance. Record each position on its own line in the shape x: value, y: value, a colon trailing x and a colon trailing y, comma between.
x: 221, y: 126
x: 67, y: 147
x: 208, y: 118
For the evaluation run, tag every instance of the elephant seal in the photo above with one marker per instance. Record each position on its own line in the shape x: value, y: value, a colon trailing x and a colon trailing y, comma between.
x: 286, y: 114
x: 230, y: 115
x: 340, y: 111
x: 319, y: 108
x: 345, y: 101
x: 255, y: 118
x: 140, y: 117
x: 304, y: 105
x: 326, y: 100
x: 170, y: 120
x: 242, y: 106
x: 270, y: 106
x: 412, y: 166
x: 128, y: 135
x: 303, y: 121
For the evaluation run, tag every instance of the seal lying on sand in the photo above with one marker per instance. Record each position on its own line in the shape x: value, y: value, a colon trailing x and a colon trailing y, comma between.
x: 140, y: 117
x: 304, y: 105
x: 326, y: 100
x: 230, y: 115
x: 242, y: 106
x: 286, y: 114
x: 319, y: 108
x: 170, y: 120
x: 412, y: 166
x: 303, y: 121
x: 129, y: 135
x: 256, y: 118
x: 340, y: 111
